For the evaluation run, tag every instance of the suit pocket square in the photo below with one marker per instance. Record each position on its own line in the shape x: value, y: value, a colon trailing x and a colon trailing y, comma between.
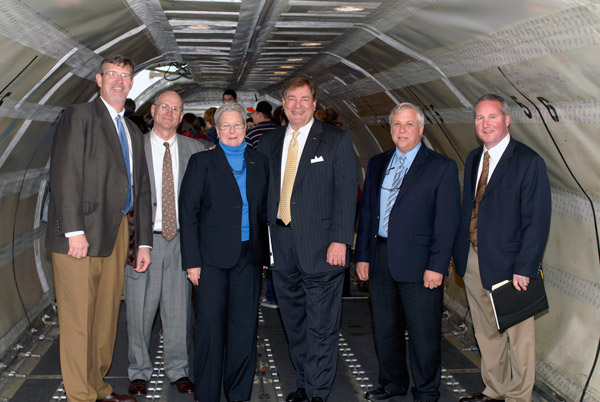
x: 317, y: 159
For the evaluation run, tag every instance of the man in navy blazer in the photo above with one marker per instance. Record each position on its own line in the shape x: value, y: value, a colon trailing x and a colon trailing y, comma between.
x: 312, y: 227
x: 502, y: 237
x: 407, y: 224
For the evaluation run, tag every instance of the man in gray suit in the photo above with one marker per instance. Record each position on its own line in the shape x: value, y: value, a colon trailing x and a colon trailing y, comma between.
x: 98, y: 179
x: 311, y: 209
x: 164, y: 284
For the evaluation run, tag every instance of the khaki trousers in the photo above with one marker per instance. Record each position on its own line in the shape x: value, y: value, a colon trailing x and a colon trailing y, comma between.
x: 507, y: 358
x: 88, y: 294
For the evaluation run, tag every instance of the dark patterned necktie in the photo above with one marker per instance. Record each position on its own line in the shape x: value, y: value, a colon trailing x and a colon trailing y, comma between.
x: 169, y: 212
x: 481, y: 185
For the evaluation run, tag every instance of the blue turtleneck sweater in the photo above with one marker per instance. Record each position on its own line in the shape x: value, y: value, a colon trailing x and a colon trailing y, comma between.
x: 235, y: 157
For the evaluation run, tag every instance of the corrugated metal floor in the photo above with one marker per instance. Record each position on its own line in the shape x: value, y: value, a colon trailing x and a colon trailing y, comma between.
x: 35, y: 375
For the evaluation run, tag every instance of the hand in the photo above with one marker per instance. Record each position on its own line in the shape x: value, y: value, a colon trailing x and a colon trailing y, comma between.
x: 520, y: 282
x: 432, y: 279
x: 362, y: 269
x: 265, y: 267
x: 143, y: 259
x: 194, y: 275
x: 336, y: 254
x: 78, y: 246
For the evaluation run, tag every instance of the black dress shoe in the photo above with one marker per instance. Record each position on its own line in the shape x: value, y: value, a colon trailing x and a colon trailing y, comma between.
x: 382, y: 392
x: 479, y: 398
x: 184, y: 385
x: 299, y: 395
x: 317, y: 399
x: 137, y: 387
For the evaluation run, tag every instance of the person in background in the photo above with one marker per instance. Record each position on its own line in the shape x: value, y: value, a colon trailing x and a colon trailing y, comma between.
x: 209, y: 118
x: 191, y: 127
x: 330, y: 116
x: 138, y: 120
x: 261, y: 116
x: 249, y: 123
x: 229, y: 96
x: 279, y: 117
x: 224, y: 244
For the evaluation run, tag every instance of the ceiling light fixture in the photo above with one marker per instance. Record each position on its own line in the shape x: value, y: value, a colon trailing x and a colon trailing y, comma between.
x: 198, y: 27
x: 294, y: 59
x: 311, y: 44
x: 280, y: 72
x: 286, y: 66
x: 349, y: 9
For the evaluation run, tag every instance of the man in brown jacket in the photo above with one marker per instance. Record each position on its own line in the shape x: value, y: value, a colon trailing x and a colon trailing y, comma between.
x: 98, y: 176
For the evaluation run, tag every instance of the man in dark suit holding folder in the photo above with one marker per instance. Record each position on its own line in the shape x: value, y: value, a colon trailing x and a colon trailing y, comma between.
x: 505, y: 220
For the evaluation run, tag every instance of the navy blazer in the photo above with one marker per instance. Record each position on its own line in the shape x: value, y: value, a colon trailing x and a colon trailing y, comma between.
x: 210, y: 210
x: 423, y: 222
x: 514, y: 215
x: 323, y: 202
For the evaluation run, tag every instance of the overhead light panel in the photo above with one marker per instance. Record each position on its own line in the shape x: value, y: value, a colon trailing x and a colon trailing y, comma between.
x: 294, y: 59
x: 311, y: 44
x: 198, y: 27
x: 286, y: 66
x: 349, y: 9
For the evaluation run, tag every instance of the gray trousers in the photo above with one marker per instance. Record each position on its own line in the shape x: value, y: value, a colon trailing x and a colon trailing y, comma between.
x: 163, y: 285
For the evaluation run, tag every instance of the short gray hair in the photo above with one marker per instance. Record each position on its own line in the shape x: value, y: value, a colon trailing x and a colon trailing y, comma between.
x: 494, y: 97
x: 406, y: 105
x: 230, y: 107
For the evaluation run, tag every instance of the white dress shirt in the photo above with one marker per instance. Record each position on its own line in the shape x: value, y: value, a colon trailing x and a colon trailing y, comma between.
x: 495, y: 155
x: 286, y: 145
x: 158, y: 155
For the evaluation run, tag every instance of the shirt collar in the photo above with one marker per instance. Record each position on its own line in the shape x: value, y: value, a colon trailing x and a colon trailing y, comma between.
x: 111, y: 110
x: 303, y: 130
x: 159, y: 141
x: 497, y: 151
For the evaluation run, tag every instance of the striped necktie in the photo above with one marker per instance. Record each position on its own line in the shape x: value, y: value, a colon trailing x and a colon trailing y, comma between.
x: 481, y: 185
x: 398, y: 177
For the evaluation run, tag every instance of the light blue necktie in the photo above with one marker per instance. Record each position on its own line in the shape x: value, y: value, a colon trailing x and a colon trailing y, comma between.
x: 398, y: 177
x: 125, y: 149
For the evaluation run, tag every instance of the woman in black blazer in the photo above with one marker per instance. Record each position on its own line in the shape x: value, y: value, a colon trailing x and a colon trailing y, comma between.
x: 222, y: 215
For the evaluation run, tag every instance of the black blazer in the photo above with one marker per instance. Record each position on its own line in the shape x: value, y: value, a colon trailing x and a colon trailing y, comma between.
x: 323, y: 202
x: 88, y: 181
x: 514, y: 215
x: 423, y: 222
x: 210, y: 210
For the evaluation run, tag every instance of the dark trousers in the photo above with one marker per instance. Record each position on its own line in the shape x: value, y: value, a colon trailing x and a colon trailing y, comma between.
x: 311, y: 306
x: 226, y: 303
x: 395, y: 305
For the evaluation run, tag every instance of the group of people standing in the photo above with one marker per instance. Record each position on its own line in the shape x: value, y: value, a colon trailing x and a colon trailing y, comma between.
x: 207, y: 215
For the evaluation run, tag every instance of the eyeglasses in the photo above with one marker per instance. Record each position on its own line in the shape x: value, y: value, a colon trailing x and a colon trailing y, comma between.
x: 164, y: 107
x: 228, y: 127
x: 113, y: 75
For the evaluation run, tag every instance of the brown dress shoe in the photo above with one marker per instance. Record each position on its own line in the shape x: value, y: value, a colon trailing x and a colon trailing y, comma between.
x: 137, y: 387
x: 479, y: 398
x: 117, y: 398
x: 184, y: 385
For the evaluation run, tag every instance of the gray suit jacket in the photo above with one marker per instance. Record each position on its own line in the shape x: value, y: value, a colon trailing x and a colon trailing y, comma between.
x: 323, y: 202
x: 89, y: 184
x: 186, y: 147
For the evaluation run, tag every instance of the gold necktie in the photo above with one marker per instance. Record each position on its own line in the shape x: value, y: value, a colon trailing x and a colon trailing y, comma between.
x: 169, y: 214
x: 289, y: 176
x: 481, y: 185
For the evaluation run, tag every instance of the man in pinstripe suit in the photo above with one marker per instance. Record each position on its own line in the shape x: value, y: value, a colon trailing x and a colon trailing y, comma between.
x: 311, y: 209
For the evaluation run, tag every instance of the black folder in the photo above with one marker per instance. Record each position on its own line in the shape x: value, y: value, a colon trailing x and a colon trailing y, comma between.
x: 512, y: 306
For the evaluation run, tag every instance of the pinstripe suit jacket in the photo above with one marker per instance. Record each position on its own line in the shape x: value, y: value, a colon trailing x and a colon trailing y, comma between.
x: 323, y: 203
